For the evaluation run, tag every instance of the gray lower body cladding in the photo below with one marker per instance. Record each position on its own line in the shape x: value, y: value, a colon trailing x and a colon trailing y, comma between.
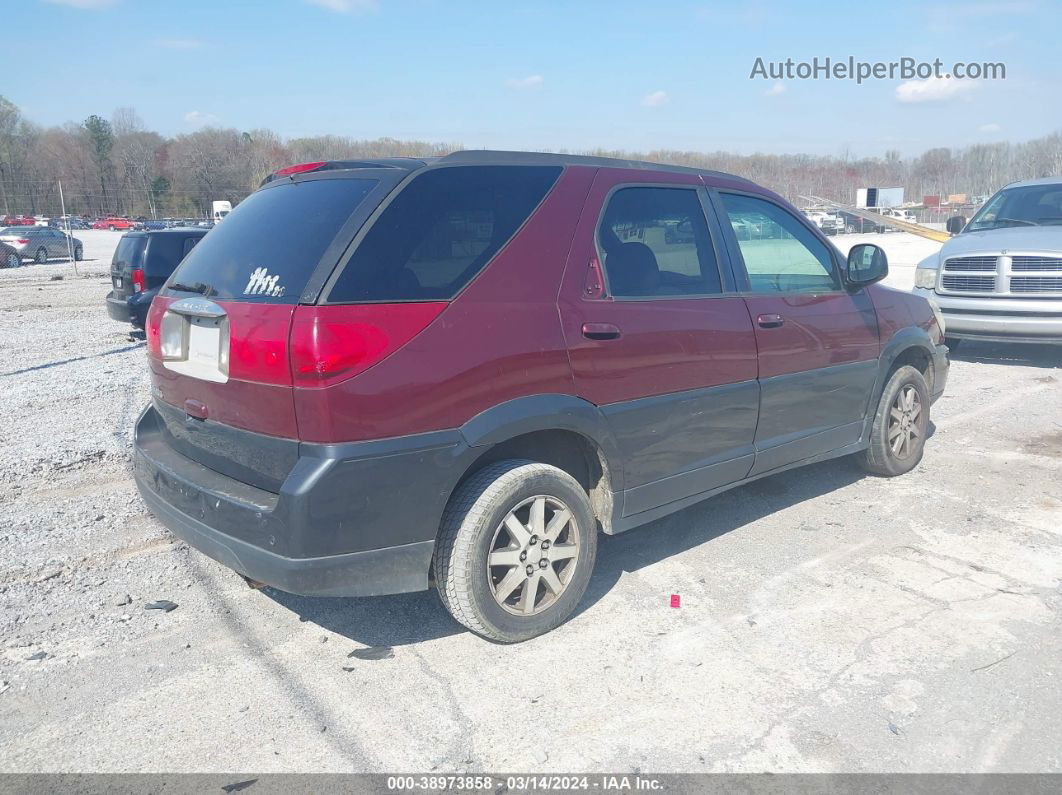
x: 353, y: 519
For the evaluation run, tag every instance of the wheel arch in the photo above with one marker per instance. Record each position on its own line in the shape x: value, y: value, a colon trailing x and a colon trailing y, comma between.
x: 911, y: 345
x: 562, y: 430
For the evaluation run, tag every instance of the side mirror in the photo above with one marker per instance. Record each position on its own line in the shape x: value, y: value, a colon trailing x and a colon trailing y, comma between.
x: 955, y: 224
x: 867, y: 264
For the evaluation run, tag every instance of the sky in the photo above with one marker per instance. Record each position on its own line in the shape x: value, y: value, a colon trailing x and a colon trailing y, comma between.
x: 547, y: 75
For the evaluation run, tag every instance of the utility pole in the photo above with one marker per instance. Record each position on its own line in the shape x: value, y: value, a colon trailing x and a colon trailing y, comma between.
x: 69, y: 240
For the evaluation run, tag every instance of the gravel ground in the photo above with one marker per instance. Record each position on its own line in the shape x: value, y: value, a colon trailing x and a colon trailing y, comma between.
x: 829, y: 621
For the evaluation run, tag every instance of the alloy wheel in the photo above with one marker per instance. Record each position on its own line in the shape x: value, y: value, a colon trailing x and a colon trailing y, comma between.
x: 533, y: 555
x: 904, y: 422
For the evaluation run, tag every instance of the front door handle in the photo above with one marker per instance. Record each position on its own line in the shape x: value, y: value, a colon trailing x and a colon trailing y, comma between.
x: 770, y: 321
x: 600, y: 331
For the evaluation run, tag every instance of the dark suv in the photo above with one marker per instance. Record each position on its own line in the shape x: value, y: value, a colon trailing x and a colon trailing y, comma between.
x: 140, y: 266
x: 375, y: 376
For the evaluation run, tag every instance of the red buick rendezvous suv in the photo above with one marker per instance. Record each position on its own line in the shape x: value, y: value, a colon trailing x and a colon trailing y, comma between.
x: 379, y: 375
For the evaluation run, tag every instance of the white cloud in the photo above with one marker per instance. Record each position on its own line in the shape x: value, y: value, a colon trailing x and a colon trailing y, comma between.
x: 91, y: 5
x: 655, y: 100
x: 989, y: 128
x: 775, y: 90
x: 531, y: 81
x: 346, y: 6
x: 933, y: 89
x: 178, y: 44
x: 198, y: 118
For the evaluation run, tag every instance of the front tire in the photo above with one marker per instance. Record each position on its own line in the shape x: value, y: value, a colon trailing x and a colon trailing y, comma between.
x: 41, y: 257
x: 12, y: 260
x: 901, y: 424
x: 515, y: 551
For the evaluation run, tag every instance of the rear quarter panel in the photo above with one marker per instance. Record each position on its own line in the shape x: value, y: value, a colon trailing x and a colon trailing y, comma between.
x: 500, y: 339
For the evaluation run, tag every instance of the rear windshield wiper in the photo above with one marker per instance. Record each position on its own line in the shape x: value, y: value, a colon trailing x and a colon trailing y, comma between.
x: 198, y: 287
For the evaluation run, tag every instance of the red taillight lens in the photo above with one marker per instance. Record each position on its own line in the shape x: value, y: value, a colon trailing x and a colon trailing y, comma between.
x: 332, y: 343
x: 258, y: 342
x: 138, y: 280
x: 299, y: 168
x: 22, y: 241
x: 153, y: 324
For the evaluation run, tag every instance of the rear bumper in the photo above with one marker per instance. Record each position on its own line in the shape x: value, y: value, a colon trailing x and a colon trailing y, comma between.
x: 370, y: 573
x: 349, y: 520
x: 129, y: 309
x: 999, y: 319
x: 118, y: 307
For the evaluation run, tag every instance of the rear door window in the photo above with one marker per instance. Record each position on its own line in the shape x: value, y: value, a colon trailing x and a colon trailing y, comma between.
x: 130, y: 253
x: 655, y: 243
x: 440, y: 231
x: 271, y: 242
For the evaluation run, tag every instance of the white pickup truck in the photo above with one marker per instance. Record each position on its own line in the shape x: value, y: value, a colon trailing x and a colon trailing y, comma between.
x: 1001, y: 278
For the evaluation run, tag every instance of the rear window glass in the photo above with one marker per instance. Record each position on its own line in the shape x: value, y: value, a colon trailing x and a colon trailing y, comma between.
x: 269, y: 244
x: 440, y: 231
x: 130, y: 253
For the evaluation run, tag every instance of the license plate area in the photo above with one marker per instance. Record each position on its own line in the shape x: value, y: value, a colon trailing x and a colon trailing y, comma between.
x: 195, y: 340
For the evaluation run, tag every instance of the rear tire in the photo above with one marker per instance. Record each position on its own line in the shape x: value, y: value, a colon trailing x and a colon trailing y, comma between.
x: 12, y: 260
x: 78, y: 254
x: 42, y: 256
x: 515, y: 551
x: 901, y: 424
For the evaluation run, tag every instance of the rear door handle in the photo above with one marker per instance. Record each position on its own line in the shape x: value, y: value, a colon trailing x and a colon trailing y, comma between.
x: 600, y: 331
x: 770, y: 321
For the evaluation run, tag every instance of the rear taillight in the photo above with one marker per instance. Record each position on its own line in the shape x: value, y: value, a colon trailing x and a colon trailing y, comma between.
x: 332, y: 343
x: 23, y: 241
x: 138, y: 280
x: 153, y: 325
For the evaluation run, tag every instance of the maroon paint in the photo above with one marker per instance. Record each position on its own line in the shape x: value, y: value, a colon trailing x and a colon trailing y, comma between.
x: 499, y: 340
x: 258, y: 350
x: 816, y: 331
x: 668, y: 345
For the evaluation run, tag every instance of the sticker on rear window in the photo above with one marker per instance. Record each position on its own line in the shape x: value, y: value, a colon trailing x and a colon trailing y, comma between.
x: 261, y: 283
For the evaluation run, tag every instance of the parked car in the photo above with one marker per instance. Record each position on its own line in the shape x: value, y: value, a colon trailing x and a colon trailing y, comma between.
x: 154, y: 224
x: 41, y: 243
x: 369, y: 379
x: 9, y: 258
x: 1000, y: 279
x: 140, y: 266
x: 113, y: 223
x: 17, y: 220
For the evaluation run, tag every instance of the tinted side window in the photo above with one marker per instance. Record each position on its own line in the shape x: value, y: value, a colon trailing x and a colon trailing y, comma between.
x: 163, y: 254
x: 780, y: 253
x: 189, y: 243
x: 440, y: 231
x: 655, y: 243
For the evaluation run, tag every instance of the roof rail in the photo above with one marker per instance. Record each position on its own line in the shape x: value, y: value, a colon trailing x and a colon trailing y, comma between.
x: 551, y: 158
